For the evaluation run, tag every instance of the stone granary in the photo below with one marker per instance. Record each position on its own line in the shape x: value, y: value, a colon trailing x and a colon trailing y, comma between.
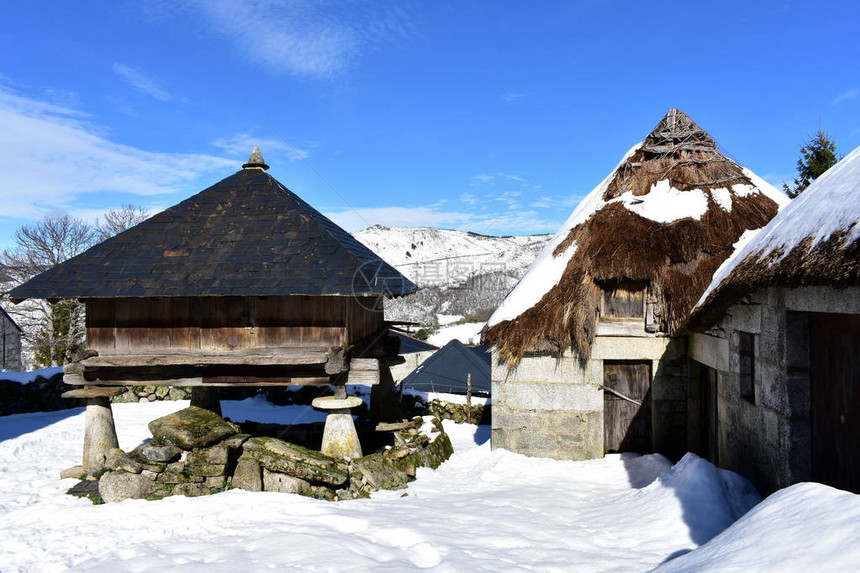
x: 587, y: 355
x: 242, y: 284
x: 775, y: 345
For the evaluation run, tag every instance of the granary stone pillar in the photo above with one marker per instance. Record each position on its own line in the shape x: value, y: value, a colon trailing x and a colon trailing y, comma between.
x: 99, y: 429
x: 340, y: 440
x: 207, y: 398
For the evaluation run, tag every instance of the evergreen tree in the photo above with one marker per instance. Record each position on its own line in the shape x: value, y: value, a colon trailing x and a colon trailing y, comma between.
x: 816, y: 157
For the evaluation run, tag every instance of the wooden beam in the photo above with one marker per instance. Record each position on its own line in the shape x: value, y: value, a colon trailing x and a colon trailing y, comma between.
x: 363, y: 371
x: 78, y: 380
x: 92, y: 393
x: 249, y: 357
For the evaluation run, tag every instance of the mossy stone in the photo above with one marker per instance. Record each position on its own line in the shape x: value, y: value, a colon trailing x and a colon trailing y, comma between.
x: 192, y: 428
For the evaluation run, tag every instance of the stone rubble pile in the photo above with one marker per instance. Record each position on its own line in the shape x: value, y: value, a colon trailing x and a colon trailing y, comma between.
x: 480, y: 413
x: 195, y: 452
x: 152, y: 394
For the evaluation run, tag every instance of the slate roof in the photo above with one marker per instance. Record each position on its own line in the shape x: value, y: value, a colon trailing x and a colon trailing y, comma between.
x: 445, y: 371
x: 10, y: 319
x: 247, y: 235
x: 410, y: 344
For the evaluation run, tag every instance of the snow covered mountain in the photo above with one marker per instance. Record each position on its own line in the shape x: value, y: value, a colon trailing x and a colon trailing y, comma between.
x: 461, y: 273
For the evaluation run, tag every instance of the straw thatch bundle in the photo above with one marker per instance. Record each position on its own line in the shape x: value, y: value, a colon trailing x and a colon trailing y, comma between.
x: 815, y: 241
x: 638, y: 233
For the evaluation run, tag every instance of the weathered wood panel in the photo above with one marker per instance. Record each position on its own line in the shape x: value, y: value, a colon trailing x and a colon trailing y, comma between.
x: 227, y: 323
x: 835, y: 381
x: 259, y: 357
x: 364, y: 317
x: 623, y: 299
x: 709, y: 415
x: 627, y: 426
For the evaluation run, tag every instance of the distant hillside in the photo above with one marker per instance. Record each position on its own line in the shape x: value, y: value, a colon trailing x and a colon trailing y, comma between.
x: 462, y: 273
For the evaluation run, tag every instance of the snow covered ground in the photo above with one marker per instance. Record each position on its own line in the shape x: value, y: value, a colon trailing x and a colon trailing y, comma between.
x: 482, y: 510
x: 466, y: 332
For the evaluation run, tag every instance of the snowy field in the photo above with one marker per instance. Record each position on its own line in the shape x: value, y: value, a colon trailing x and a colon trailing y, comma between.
x: 466, y: 332
x: 482, y: 510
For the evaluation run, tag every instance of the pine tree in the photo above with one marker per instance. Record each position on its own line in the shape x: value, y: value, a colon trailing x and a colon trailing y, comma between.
x: 816, y: 157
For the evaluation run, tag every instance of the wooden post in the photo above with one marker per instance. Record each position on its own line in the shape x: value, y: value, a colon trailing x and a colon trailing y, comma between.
x: 206, y: 397
x: 469, y: 398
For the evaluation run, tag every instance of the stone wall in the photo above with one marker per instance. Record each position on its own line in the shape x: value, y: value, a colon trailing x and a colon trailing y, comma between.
x: 40, y: 395
x: 547, y: 407
x: 768, y: 440
x: 195, y: 452
x: 412, y: 361
x: 553, y: 407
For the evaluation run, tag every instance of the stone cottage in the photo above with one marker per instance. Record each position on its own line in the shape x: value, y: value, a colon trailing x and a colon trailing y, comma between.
x: 587, y: 355
x: 775, y: 347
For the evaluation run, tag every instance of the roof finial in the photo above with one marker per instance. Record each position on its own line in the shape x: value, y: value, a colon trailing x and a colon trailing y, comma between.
x: 255, y: 161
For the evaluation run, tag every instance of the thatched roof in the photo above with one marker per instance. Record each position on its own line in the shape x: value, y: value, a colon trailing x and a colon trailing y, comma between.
x: 815, y: 241
x: 247, y: 235
x: 668, y: 215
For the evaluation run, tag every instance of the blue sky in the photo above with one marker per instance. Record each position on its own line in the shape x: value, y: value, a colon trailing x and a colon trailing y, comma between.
x: 493, y: 117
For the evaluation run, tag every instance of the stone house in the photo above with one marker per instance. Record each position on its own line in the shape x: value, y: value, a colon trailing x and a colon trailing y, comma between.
x: 588, y: 356
x: 775, y: 349
x: 11, y: 342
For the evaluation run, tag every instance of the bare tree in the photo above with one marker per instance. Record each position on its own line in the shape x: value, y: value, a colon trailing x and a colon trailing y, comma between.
x: 54, y: 330
x: 118, y: 220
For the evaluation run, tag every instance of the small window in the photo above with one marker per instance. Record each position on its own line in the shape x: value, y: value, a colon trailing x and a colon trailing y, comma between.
x: 622, y: 299
x: 746, y: 360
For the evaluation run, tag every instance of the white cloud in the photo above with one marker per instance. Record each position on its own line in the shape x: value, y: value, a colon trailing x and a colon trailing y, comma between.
x: 52, y: 156
x: 482, y: 179
x: 846, y: 95
x: 304, y: 37
x: 509, y: 97
x: 508, y: 196
x: 555, y: 201
x: 140, y: 81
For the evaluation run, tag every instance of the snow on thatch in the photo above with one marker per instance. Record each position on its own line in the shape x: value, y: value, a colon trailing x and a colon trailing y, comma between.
x: 813, y: 242
x: 668, y: 215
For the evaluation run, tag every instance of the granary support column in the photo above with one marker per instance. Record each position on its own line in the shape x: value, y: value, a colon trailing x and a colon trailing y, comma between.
x: 99, y: 429
x: 340, y: 440
x: 206, y: 397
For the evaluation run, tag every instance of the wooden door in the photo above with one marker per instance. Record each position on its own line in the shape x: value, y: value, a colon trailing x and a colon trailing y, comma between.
x: 709, y: 415
x: 835, y: 381
x: 627, y: 425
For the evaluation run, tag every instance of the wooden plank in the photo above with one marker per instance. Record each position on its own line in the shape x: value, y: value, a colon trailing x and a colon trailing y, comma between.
x: 709, y: 416
x: 258, y: 381
x: 835, y: 389
x: 78, y: 380
x: 363, y: 371
x: 627, y: 426
x: 623, y: 299
x: 256, y: 357
x: 364, y: 364
x: 222, y: 323
x: 104, y: 392
x: 394, y: 426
